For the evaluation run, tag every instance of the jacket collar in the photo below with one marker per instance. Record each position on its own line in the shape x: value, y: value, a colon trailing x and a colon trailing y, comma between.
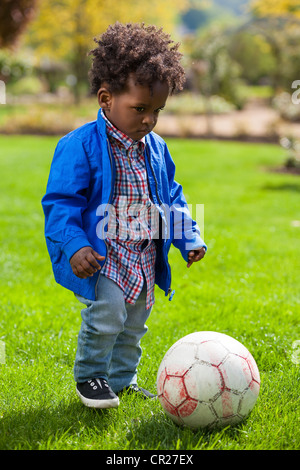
x: 103, y: 130
x: 101, y: 125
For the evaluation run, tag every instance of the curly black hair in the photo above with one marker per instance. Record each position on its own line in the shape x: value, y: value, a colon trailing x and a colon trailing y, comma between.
x: 128, y: 48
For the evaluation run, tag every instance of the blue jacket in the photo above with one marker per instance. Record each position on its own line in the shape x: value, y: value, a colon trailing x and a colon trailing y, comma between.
x: 81, y: 183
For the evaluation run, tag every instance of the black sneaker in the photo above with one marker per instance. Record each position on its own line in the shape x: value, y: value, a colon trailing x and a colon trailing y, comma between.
x: 96, y: 393
x: 139, y: 391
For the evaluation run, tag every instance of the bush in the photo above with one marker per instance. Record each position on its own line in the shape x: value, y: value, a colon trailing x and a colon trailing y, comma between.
x: 13, y: 67
x: 292, y: 146
x: 40, y: 120
x: 189, y: 103
x: 26, y: 86
x: 286, y: 108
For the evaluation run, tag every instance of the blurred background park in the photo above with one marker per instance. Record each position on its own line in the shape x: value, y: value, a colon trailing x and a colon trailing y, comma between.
x: 241, y: 58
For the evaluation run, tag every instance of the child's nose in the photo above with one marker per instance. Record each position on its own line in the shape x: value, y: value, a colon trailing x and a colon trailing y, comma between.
x: 149, y: 119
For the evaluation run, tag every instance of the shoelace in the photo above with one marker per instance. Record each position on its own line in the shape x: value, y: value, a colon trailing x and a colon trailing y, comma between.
x: 94, y: 385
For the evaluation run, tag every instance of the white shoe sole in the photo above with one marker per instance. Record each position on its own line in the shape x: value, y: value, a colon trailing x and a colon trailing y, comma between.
x: 111, y: 403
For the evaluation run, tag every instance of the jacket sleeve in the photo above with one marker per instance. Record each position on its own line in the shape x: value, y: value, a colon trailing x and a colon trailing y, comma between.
x: 66, y: 196
x: 186, y: 232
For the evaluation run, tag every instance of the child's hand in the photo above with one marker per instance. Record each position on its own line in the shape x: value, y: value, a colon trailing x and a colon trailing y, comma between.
x: 195, y: 255
x: 84, y: 262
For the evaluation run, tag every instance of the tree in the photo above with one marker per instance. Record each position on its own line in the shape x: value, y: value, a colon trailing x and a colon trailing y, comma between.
x: 214, y: 70
x: 253, y: 53
x: 14, y: 17
x: 279, y: 23
x: 276, y: 8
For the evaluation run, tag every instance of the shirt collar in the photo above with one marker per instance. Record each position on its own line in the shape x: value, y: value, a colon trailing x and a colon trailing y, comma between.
x: 115, y: 133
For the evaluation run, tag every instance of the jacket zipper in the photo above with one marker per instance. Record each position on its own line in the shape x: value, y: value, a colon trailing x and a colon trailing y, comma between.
x: 109, y: 200
x: 170, y: 292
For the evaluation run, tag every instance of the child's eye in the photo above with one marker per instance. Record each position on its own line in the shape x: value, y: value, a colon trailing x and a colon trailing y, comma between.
x: 139, y: 109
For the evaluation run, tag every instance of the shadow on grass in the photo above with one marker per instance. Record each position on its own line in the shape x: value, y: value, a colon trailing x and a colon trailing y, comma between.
x: 293, y: 187
x: 52, y: 428
x: 154, y: 430
x: 163, y: 435
x: 134, y: 425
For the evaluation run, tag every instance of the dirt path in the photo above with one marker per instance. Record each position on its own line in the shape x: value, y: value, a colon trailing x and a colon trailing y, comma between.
x: 255, y: 122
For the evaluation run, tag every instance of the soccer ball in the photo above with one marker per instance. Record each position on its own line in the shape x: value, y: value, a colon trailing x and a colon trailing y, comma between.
x: 207, y: 380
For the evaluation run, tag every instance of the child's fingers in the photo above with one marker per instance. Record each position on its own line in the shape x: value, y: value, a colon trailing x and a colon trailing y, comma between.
x: 84, y: 263
x: 195, y: 255
x: 191, y: 258
x: 199, y: 255
x: 85, y: 268
x: 93, y: 265
x: 97, y: 256
x: 92, y: 261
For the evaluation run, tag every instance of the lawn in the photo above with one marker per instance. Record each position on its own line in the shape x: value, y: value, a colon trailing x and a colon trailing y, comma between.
x: 247, y: 287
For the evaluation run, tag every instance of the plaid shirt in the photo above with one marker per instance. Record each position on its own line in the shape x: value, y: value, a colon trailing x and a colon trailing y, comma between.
x: 131, y: 250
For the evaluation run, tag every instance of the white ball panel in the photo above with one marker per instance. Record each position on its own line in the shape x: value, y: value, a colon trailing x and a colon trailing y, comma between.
x: 227, y: 404
x: 249, y: 399
x: 174, y: 390
x: 203, y: 382
x: 236, y: 373
x: 212, y: 352
x: 180, y: 359
x: 203, y: 416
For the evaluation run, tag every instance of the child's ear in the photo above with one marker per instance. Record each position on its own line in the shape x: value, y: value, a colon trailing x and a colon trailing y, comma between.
x: 104, y: 97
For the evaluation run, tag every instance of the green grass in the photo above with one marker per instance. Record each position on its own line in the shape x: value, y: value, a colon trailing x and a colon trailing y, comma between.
x: 247, y: 287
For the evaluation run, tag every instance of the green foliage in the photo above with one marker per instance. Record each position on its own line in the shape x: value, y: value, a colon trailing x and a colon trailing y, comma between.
x: 247, y: 286
x: 28, y: 85
x: 213, y: 70
x: 277, y: 41
x: 253, y: 54
x: 13, y: 66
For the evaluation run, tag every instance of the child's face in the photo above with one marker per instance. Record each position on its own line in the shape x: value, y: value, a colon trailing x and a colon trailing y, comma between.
x: 135, y: 110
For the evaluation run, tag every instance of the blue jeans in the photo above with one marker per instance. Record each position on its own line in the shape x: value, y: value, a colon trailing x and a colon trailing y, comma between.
x: 110, y: 334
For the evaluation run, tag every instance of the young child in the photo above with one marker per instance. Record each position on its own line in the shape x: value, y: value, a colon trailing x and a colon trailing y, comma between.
x: 113, y: 208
